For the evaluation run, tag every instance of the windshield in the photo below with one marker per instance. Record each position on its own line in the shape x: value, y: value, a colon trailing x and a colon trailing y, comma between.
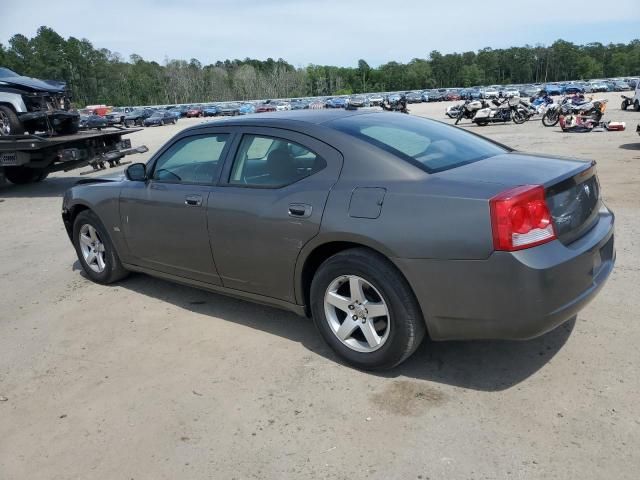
x: 5, y: 72
x: 431, y: 146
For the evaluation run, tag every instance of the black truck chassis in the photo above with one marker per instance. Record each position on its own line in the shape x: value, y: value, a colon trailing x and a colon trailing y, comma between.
x: 30, y: 158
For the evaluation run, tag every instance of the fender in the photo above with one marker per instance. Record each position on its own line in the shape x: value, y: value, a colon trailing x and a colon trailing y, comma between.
x: 13, y: 99
x: 323, y: 239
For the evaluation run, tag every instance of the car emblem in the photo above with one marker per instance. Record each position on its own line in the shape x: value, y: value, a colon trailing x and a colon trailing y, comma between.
x: 587, y: 190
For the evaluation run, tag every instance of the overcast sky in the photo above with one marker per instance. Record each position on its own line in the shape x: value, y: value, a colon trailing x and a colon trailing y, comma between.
x: 319, y: 31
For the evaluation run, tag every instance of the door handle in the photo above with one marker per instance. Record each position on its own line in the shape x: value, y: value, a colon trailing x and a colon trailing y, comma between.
x: 193, y: 200
x: 300, y: 210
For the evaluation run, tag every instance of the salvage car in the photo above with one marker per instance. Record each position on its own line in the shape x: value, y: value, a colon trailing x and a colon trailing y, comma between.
x: 210, y: 110
x: 383, y: 227
x: 137, y: 117
x: 229, y: 109
x: 160, y: 118
x: 375, y: 99
x: 90, y: 121
x: 265, y: 107
x: 31, y: 105
x: 195, y: 111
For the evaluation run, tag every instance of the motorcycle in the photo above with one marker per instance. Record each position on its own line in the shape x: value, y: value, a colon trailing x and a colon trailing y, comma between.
x: 540, y: 104
x: 501, y: 112
x: 593, y: 109
x: 468, y: 109
x: 399, y: 105
x: 628, y: 101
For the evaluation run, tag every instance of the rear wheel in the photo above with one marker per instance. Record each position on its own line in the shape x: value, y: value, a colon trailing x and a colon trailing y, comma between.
x: 10, y: 124
x: 95, y: 251
x: 636, y: 106
x: 550, y: 118
x: 365, y: 310
x: 23, y: 175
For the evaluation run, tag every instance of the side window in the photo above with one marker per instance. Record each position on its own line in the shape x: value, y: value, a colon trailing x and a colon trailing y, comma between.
x: 191, y: 160
x: 272, y: 162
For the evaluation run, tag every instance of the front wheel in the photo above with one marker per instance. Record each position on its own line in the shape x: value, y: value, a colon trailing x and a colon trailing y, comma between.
x: 636, y: 106
x: 365, y: 310
x: 23, y: 175
x: 10, y: 124
x: 518, y: 117
x: 459, y: 117
x: 95, y: 251
x: 624, y: 105
x: 550, y: 118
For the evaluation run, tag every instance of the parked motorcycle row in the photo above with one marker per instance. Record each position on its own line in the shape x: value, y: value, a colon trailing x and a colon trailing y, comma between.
x: 574, y: 109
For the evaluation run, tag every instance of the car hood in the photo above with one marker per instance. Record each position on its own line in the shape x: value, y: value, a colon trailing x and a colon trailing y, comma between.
x: 34, y: 84
x: 514, y: 169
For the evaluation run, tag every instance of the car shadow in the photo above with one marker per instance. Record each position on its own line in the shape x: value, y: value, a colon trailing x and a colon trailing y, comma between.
x: 478, y: 365
x: 50, y: 187
x: 630, y: 146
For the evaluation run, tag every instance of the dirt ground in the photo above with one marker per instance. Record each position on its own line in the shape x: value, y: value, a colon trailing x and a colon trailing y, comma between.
x: 150, y: 380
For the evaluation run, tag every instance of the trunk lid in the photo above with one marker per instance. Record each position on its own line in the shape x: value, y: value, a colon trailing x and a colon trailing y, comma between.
x: 571, y: 186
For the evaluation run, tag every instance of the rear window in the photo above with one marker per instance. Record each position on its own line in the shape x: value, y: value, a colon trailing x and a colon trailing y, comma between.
x: 431, y: 146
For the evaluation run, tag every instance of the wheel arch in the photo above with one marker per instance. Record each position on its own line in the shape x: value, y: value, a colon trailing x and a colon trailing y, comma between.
x: 13, y: 101
x: 320, y: 249
x: 69, y: 217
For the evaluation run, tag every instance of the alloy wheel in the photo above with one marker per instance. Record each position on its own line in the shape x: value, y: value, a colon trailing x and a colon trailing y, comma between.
x: 357, y: 314
x: 92, y: 248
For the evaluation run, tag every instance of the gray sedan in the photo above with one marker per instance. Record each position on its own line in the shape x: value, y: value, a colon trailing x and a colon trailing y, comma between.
x: 383, y: 227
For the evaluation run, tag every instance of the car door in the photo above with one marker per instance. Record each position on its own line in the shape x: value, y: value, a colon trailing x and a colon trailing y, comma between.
x: 164, y: 219
x: 268, y: 205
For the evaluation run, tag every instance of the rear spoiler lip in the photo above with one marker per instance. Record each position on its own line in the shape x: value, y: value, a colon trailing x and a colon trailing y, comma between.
x: 587, y: 172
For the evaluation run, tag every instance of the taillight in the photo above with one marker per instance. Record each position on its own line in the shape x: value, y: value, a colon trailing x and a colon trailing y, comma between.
x: 520, y: 218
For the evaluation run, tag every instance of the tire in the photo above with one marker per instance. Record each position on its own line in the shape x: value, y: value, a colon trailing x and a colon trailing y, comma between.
x: 550, y: 118
x: 23, y: 175
x: 112, y: 270
x: 459, y: 117
x: 42, y: 174
x: 482, y: 124
x: 624, y: 105
x: 10, y: 124
x: 162, y: 123
x: 636, y: 106
x: 518, y: 117
x: 399, y: 335
x: 127, y: 123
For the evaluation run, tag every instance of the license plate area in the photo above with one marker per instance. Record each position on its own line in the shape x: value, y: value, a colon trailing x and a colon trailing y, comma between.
x: 8, y: 159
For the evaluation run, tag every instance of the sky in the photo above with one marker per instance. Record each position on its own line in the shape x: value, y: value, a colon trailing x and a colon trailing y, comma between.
x: 324, y: 32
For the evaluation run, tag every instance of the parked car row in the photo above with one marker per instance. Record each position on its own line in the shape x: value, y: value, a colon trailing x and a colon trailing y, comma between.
x: 138, y: 116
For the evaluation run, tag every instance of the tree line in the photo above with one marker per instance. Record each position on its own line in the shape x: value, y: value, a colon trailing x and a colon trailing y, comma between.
x: 97, y: 75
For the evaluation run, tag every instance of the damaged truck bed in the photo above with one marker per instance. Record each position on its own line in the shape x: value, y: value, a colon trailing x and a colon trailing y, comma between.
x: 30, y: 158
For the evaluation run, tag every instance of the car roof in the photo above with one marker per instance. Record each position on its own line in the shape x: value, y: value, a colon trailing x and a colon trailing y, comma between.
x: 314, y: 117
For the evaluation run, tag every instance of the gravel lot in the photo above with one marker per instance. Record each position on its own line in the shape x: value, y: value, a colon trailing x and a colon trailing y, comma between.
x: 150, y: 380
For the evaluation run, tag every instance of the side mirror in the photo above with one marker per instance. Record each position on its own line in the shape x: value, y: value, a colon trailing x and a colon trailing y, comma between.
x: 136, y: 172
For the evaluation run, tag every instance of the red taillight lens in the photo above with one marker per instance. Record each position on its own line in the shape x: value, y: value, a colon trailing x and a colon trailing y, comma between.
x: 520, y: 218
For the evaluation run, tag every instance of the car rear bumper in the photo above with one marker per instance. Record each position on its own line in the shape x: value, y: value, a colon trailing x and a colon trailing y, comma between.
x: 513, y: 295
